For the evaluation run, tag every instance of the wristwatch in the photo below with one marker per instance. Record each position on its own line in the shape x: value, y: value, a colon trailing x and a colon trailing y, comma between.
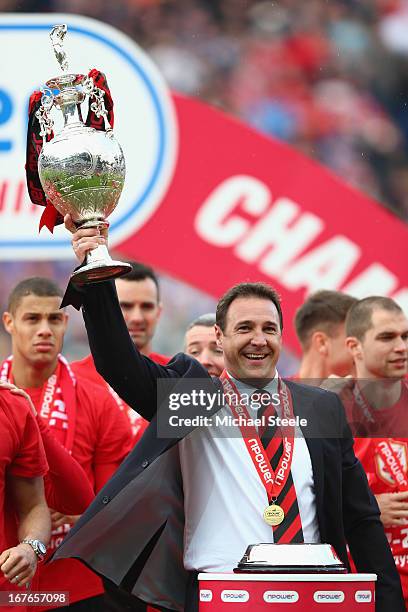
x: 38, y: 547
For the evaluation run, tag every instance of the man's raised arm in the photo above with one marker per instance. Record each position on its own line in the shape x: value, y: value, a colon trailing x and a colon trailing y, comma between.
x: 132, y: 375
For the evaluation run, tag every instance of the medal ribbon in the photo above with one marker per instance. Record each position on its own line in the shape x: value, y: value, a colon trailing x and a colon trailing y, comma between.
x: 58, y: 399
x: 273, y: 481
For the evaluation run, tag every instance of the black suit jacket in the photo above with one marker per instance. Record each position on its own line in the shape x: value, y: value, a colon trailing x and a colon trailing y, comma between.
x: 132, y: 533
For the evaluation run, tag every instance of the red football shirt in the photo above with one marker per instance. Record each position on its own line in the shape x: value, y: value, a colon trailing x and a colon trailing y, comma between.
x: 21, y: 454
x: 102, y: 440
x: 67, y: 488
x: 86, y: 369
x: 382, y: 481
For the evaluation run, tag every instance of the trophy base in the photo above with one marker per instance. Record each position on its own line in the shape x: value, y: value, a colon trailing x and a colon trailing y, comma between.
x: 97, y: 273
x: 99, y: 267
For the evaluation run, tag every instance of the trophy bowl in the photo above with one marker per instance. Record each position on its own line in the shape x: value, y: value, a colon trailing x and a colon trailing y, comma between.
x: 81, y: 169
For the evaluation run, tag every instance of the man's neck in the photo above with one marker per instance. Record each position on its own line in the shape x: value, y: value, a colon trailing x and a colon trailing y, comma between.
x: 256, y: 383
x: 146, y: 349
x: 27, y: 376
x: 313, y: 367
x: 380, y: 392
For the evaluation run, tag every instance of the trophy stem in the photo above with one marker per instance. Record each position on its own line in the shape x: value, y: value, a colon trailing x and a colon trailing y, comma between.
x: 99, y: 266
x: 72, y: 114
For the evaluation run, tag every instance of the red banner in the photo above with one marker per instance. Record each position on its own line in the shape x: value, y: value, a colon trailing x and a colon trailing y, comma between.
x: 242, y: 206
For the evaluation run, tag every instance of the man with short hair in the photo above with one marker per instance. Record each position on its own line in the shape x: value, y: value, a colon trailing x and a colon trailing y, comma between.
x: 377, y: 338
x: 24, y: 516
x: 82, y: 416
x: 320, y: 328
x: 200, y: 342
x: 139, y: 299
x: 202, y: 498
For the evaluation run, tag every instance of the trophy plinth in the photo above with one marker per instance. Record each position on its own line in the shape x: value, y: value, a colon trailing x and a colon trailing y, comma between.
x: 81, y: 169
x: 290, y: 558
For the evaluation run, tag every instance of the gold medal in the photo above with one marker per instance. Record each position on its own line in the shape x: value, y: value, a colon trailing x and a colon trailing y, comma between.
x: 273, y: 515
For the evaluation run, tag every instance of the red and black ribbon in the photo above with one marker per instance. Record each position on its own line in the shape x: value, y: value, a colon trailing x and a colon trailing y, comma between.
x: 51, y: 217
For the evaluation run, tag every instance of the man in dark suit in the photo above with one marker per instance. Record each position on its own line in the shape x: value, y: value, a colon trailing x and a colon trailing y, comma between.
x: 176, y: 507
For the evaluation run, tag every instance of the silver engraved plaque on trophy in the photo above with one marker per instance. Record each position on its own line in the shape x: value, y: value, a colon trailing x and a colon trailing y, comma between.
x: 81, y: 169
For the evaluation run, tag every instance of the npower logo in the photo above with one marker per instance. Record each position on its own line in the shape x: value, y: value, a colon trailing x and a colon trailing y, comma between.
x: 206, y: 595
x: 285, y: 597
x: 328, y: 596
x: 145, y: 125
x: 234, y: 596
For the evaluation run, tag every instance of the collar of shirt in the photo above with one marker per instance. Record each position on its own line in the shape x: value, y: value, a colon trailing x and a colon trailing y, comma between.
x: 248, y: 390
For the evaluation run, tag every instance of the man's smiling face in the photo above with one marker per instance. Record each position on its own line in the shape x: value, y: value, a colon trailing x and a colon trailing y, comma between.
x: 251, y: 339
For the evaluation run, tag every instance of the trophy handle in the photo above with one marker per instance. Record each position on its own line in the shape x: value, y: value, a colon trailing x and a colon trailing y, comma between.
x: 43, y: 113
x: 98, y: 104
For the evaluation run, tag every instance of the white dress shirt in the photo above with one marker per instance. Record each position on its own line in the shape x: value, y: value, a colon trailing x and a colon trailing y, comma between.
x: 224, y: 498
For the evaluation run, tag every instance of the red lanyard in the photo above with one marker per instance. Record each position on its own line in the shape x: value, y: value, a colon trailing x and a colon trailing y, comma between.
x: 272, y: 481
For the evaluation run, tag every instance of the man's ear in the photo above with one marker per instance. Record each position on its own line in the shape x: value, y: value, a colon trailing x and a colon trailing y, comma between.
x: 354, y: 346
x: 219, y: 335
x: 320, y: 342
x: 8, y: 322
x: 66, y: 319
x: 159, y: 309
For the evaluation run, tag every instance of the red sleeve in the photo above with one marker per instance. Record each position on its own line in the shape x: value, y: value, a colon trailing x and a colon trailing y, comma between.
x: 67, y: 488
x: 114, y: 438
x: 30, y: 460
x: 139, y: 429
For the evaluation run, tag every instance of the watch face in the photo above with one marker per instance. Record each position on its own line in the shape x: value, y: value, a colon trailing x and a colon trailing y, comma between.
x: 41, y: 547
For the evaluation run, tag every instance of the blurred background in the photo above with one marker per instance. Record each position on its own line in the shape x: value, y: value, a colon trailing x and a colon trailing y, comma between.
x: 329, y: 77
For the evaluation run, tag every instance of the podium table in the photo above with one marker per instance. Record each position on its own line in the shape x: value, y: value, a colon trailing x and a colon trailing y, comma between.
x: 291, y: 592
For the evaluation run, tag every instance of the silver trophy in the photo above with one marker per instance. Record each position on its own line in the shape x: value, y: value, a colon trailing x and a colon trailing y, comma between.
x: 82, y: 170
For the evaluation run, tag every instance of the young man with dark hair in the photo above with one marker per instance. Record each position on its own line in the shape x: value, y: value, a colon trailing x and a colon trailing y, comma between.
x: 320, y: 328
x: 83, y: 417
x: 139, y: 299
x: 377, y: 331
x: 179, y: 489
x: 200, y: 342
x: 36, y: 285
